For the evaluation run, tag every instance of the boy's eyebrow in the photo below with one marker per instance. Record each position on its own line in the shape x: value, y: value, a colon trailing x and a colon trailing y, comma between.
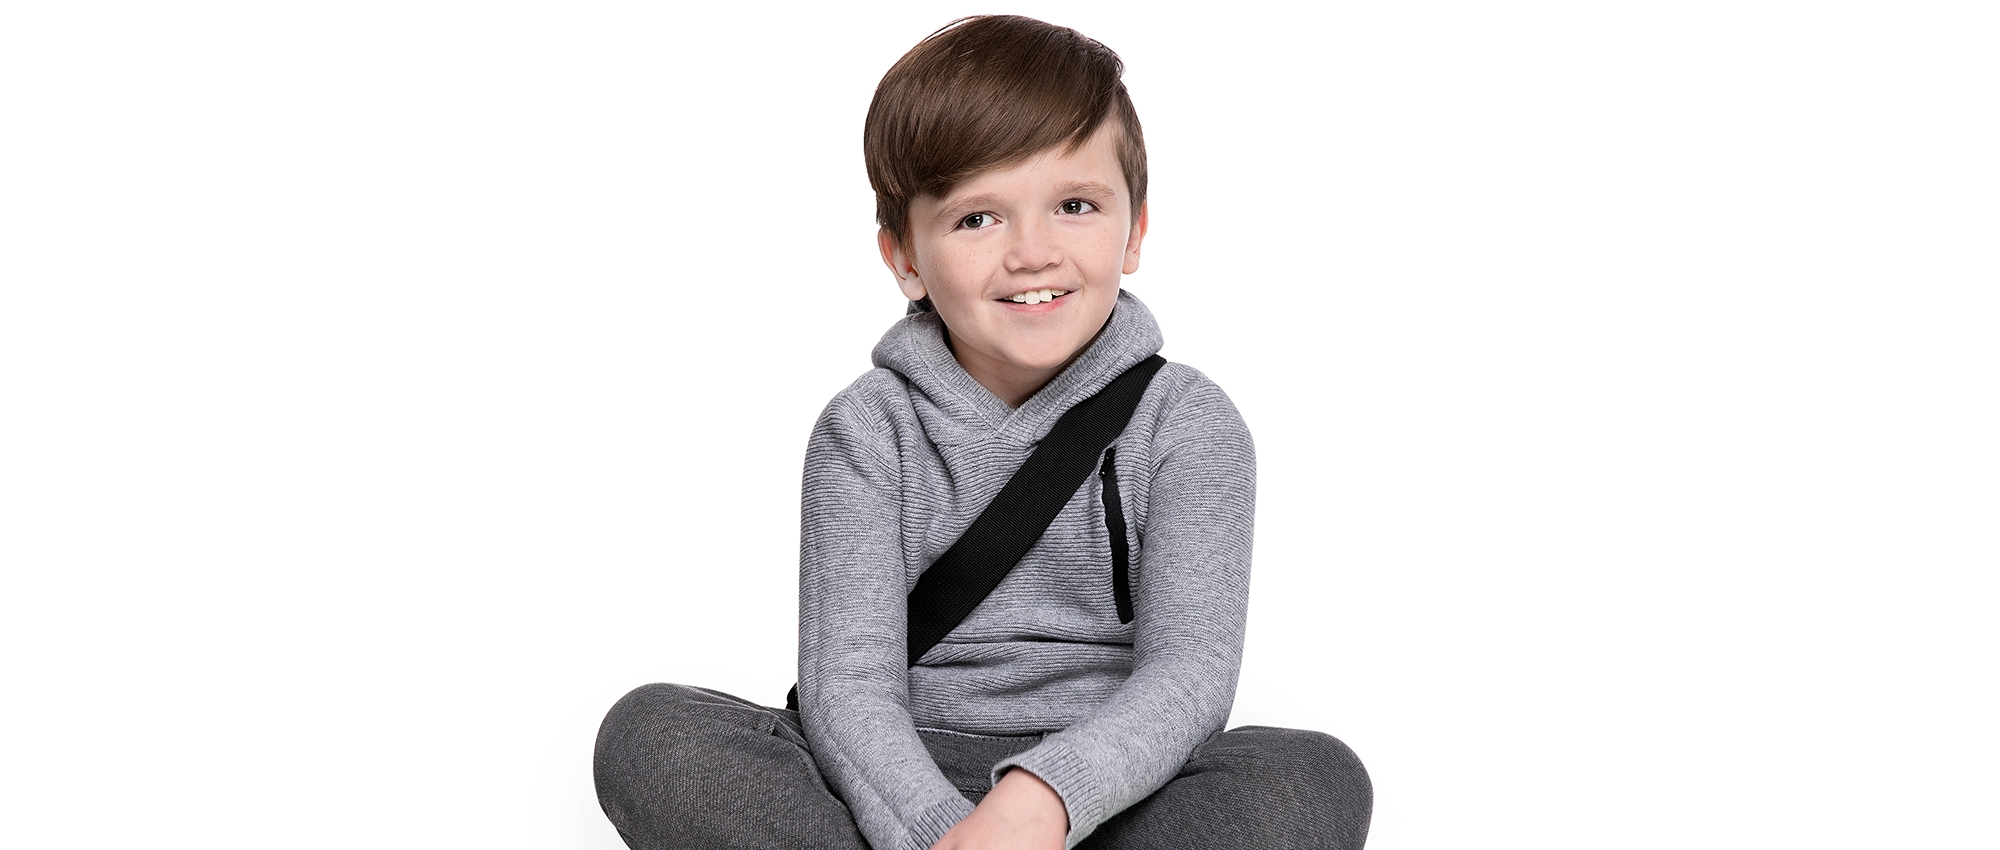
x: 1087, y: 187
x: 960, y: 207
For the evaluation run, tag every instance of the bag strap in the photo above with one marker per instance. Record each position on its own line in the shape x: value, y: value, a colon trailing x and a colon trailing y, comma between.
x: 966, y: 573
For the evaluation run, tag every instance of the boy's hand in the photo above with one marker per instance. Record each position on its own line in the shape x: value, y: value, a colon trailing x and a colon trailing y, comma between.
x: 1021, y: 813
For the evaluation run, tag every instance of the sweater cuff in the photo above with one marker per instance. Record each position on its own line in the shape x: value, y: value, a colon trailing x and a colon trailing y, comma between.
x: 1071, y: 777
x: 935, y: 822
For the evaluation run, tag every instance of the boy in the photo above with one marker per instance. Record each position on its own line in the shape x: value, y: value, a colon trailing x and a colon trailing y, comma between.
x: 1081, y: 702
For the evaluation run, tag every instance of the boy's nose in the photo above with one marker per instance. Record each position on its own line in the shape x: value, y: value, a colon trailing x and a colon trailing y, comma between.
x: 1033, y: 248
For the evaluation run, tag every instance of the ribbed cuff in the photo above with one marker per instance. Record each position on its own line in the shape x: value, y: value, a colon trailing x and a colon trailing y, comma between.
x: 935, y: 822
x: 1072, y: 779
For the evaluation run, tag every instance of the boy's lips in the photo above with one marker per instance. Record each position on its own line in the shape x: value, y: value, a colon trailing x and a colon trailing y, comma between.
x: 1035, y: 296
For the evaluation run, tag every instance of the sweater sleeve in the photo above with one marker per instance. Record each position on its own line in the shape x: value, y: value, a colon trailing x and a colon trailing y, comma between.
x: 1190, y: 606
x: 853, y: 667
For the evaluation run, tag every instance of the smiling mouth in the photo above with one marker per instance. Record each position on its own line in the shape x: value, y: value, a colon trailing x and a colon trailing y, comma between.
x: 1037, y: 296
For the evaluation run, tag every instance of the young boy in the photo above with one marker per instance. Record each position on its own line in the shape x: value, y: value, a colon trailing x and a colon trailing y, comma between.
x: 1081, y: 702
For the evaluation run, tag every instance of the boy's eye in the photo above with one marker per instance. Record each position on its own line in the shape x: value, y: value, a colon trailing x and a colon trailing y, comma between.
x: 1075, y: 206
x: 975, y: 221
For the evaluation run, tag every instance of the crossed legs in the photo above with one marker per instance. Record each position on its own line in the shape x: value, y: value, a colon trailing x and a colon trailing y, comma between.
x: 686, y: 767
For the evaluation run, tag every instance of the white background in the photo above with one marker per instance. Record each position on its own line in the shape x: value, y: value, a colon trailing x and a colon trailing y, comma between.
x: 386, y: 388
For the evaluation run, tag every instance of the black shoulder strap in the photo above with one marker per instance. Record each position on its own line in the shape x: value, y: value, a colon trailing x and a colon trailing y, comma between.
x: 962, y: 577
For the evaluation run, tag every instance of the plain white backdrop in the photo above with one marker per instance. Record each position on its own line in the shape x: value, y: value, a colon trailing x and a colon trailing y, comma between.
x: 386, y: 388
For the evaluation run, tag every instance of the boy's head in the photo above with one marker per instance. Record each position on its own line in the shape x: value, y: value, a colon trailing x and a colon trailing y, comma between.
x: 1009, y: 177
x: 990, y: 91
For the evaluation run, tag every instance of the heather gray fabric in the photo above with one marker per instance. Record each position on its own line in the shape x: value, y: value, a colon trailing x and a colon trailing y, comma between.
x: 683, y: 768
x: 898, y: 466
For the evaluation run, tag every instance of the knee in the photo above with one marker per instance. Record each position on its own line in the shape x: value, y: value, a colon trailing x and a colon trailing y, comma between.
x: 645, y: 701
x: 641, y: 729
x: 1345, y: 794
x: 644, y: 739
x: 1348, y: 778
x: 1330, y: 763
x: 1309, y: 780
x: 1314, y: 756
x: 644, y: 706
x: 656, y: 710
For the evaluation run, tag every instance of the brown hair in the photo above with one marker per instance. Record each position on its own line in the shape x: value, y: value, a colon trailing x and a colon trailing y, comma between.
x: 986, y: 92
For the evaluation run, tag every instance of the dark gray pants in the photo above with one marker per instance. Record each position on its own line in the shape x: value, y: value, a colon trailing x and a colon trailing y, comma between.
x: 685, y: 768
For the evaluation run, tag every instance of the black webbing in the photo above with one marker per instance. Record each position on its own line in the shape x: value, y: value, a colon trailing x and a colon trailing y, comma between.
x: 1009, y: 526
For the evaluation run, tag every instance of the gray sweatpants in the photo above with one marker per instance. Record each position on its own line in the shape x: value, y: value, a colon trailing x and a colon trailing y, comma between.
x: 685, y: 768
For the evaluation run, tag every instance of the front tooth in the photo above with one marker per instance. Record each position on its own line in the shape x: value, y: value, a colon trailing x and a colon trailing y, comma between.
x: 1046, y: 296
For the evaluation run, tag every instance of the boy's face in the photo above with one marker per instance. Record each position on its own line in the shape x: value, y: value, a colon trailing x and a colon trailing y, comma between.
x: 1060, y: 222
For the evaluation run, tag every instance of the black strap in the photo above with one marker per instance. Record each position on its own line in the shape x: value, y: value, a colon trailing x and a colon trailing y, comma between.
x: 961, y: 578
x: 966, y: 573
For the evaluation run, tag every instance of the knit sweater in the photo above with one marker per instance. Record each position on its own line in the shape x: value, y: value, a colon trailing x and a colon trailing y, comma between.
x: 899, y: 465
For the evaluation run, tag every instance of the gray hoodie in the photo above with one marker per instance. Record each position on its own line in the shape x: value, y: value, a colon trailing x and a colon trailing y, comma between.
x: 899, y: 465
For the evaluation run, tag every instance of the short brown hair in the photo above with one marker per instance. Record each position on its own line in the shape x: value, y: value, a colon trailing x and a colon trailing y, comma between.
x: 985, y: 92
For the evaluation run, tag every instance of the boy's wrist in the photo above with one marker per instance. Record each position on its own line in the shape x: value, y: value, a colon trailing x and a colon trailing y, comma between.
x: 1032, y: 798
x: 1021, y: 813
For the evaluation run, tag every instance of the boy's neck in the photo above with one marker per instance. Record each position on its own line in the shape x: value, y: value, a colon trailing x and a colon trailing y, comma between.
x: 1011, y: 384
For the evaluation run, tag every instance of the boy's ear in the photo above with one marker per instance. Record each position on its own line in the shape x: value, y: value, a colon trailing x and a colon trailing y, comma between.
x: 1132, y: 242
x: 901, y: 264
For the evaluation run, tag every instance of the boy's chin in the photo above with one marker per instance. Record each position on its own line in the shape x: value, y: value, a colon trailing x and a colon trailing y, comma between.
x: 1046, y: 360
